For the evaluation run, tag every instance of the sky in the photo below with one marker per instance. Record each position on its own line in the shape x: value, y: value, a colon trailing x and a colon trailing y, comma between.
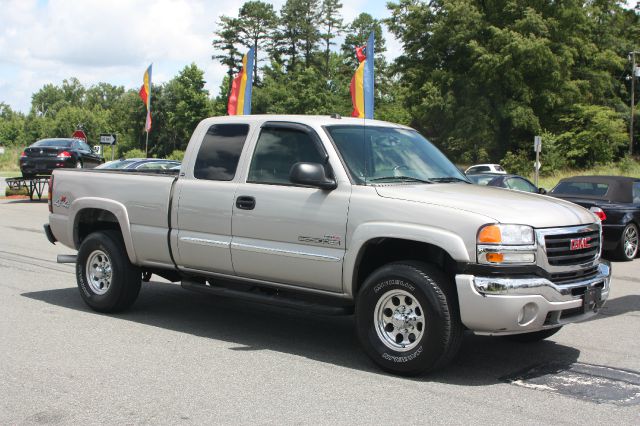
x: 113, y: 41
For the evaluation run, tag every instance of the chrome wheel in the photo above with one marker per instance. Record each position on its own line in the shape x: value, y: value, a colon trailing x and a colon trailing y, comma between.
x: 630, y: 241
x: 399, y: 320
x: 99, y: 272
x: 79, y: 164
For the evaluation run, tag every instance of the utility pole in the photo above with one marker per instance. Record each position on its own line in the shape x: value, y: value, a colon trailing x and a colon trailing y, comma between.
x: 634, y: 71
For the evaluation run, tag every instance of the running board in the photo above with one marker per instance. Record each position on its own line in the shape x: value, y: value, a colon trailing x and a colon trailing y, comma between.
x: 67, y: 258
x: 269, y: 299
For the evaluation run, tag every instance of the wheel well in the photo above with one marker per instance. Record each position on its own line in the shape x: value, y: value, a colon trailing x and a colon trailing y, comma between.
x: 92, y: 220
x: 380, y: 251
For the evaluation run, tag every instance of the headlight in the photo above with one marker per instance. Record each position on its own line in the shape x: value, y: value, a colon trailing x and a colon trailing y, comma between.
x: 500, y: 244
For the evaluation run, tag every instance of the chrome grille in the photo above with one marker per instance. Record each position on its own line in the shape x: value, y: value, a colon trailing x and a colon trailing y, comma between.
x: 558, y: 248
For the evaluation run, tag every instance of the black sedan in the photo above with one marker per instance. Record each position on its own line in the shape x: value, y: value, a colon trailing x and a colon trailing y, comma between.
x: 616, y: 200
x: 42, y: 157
x: 515, y: 182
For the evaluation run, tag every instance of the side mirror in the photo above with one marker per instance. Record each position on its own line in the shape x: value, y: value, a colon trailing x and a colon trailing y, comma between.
x: 542, y: 191
x: 311, y: 174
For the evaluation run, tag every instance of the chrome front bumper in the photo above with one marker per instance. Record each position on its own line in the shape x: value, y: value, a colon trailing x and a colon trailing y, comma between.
x: 511, y: 305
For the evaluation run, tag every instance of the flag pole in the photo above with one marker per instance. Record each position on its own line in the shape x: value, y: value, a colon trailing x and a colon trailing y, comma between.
x: 146, y: 145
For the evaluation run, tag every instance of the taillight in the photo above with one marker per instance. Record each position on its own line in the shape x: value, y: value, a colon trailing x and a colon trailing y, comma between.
x: 599, y: 212
x: 24, y: 154
x: 64, y: 154
x: 50, y: 196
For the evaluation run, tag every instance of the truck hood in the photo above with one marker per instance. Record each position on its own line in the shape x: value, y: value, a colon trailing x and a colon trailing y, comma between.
x: 501, y: 205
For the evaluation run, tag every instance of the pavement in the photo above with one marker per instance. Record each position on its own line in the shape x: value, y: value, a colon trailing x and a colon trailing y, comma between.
x: 179, y: 357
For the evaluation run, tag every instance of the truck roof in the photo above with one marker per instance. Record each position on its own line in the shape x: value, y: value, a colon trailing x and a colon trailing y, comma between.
x: 317, y: 120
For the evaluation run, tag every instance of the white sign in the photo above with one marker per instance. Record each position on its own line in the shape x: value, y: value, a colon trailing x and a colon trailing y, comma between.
x: 538, y: 165
x: 97, y: 149
x: 537, y: 143
x: 108, y: 139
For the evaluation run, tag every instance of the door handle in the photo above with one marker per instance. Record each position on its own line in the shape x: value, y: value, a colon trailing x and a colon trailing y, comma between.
x: 245, y: 202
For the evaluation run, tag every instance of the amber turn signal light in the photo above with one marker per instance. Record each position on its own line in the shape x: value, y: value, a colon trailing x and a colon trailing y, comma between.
x: 495, y: 257
x: 490, y: 234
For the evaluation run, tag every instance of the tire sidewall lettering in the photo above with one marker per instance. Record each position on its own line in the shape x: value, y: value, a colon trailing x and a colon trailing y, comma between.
x: 403, y: 358
x: 393, y: 282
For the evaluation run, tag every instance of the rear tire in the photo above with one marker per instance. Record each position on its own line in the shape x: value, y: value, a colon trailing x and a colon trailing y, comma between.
x: 627, y: 248
x: 79, y: 164
x: 107, y: 280
x: 536, y: 336
x: 407, y: 318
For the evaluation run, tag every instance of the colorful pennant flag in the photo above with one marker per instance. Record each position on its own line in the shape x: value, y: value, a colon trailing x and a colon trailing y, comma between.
x: 145, y: 95
x: 362, y: 82
x: 240, y: 96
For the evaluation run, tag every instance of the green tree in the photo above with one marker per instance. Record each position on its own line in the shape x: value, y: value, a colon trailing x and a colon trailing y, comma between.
x: 298, y: 34
x: 256, y: 23
x: 331, y: 24
x: 485, y: 77
x: 225, y: 43
x: 187, y: 103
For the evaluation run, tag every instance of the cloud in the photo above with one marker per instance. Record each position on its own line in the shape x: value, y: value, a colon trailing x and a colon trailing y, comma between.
x: 113, y: 41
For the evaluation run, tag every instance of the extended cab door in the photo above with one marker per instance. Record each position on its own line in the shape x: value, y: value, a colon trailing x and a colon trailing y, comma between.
x: 283, y: 232
x: 205, y: 200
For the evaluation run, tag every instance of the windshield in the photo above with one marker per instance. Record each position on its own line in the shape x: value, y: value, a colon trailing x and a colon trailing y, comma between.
x: 386, y: 154
x: 56, y: 143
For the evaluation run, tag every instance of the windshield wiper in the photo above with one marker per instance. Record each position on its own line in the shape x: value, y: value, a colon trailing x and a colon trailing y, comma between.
x: 449, y: 179
x: 400, y: 178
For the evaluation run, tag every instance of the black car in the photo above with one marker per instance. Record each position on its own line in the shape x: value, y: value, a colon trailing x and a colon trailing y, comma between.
x: 42, y: 157
x: 515, y: 182
x: 616, y: 200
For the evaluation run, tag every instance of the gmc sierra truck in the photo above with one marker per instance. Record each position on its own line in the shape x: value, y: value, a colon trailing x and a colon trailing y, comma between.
x: 336, y: 215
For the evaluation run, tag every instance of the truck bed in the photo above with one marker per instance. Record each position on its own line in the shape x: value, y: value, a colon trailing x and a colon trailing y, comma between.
x: 144, y: 199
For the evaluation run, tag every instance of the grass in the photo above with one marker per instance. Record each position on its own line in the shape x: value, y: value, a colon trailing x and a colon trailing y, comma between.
x: 626, y: 167
x: 9, y: 166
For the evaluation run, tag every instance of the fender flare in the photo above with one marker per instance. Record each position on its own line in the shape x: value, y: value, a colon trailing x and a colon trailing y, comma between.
x: 117, y: 209
x: 448, y: 241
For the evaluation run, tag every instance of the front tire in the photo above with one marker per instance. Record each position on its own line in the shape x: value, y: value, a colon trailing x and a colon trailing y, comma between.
x: 107, y: 280
x: 407, y: 318
x: 628, y: 245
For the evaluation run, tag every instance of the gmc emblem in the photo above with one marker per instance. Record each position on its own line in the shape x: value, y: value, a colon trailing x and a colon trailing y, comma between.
x: 580, y: 243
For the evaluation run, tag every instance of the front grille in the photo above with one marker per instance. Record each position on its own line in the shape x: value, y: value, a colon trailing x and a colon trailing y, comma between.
x: 558, y: 247
x: 571, y: 276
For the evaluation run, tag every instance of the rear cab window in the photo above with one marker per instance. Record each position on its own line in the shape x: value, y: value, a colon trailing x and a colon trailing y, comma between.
x: 220, y: 151
x: 636, y: 192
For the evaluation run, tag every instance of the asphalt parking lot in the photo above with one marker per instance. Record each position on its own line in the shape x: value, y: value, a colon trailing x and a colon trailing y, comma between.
x: 179, y: 357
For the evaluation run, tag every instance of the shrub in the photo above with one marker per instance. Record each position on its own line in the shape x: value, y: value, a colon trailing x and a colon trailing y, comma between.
x: 176, y: 155
x: 135, y: 153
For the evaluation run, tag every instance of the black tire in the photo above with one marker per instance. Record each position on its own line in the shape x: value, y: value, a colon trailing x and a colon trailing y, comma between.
x: 536, y: 336
x: 440, y: 339
x: 27, y: 175
x: 124, y: 279
x: 629, y: 236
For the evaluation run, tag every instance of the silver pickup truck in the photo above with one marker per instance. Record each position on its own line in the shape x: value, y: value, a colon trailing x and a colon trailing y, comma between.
x: 336, y: 215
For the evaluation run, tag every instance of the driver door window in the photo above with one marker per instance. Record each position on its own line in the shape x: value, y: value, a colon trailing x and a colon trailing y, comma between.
x: 277, y: 150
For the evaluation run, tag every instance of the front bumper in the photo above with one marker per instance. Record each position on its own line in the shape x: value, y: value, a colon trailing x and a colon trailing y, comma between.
x: 523, y: 304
